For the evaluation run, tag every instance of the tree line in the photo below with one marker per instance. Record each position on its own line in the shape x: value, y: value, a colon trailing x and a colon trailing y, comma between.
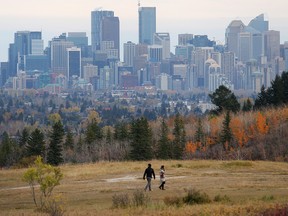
x: 254, y: 132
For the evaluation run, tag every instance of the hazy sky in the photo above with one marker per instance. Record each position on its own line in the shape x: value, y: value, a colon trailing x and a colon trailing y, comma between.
x: 209, y: 17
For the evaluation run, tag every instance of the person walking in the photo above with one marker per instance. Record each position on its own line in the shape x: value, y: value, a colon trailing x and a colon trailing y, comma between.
x: 162, y: 177
x: 149, y: 173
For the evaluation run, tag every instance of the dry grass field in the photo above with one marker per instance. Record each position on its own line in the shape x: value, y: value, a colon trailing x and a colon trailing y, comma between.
x: 87, y: 189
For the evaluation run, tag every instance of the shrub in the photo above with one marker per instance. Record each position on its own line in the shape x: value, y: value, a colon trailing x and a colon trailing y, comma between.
x: 47, y: 177
x: 196, y: 197
x: 140, y: 198
x: 173, y: 201
x: 25, y: 162
x: 178, y: 165
x: 219, y: 198
x: 53, y: 206
x: 120, y: 200
x: 268, y: 198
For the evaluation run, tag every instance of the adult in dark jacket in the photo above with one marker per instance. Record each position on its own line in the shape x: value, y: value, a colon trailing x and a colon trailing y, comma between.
x: 149, y: 173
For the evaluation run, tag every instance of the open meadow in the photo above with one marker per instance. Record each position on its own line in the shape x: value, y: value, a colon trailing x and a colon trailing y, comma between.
x: 240, y: 188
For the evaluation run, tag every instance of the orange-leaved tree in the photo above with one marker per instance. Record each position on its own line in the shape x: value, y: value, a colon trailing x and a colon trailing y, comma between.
x: 261, y: 124
x: 239, y: 132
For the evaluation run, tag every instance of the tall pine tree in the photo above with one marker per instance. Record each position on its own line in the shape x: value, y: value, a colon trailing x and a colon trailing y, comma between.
x: 54, y: 155
x: 141, y: 140
x: 35, y: 144
x: 199, y: 133
x: 226, y: 136
x: 164, y: 145
x: 179, y: 137
x: 69, y: 141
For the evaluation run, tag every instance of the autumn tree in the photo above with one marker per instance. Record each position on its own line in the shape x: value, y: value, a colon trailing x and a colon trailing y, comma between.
x: 261, y: 124
x: 47, y: 178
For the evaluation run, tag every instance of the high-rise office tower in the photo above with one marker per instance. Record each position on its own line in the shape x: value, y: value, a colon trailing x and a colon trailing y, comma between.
x: 286, y: 55
x: 271, y: 45
x: 228, y: 65
x: 96, y: 27
x: 155, y: 53
x: 90, y: 71
x: 74, y: 62
x: 129, y: 53
x: 110, y: 31
x: 232, y: 36
x: 59, y: 53
x: 245, y: 45
x: 184, y: 39
x: 163, y: 39
x: 80, y: 40
x: 147, y: 24
x: 259, y: 23
x: 3, y: 73
x: 25, y: 42
x: 202, y: 41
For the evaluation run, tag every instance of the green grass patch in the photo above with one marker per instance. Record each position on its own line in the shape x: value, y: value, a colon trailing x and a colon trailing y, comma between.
x: 237, y: 164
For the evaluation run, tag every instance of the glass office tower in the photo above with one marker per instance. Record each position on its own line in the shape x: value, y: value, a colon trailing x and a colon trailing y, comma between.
x: 147, y: 24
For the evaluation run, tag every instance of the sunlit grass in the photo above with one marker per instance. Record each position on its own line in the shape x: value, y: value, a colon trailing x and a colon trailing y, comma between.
x: 240, y: 187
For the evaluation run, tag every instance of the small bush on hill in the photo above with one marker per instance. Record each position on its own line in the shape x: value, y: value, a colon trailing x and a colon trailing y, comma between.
x: 219, y: 198
x: 140, y: 198
x: 120, y: 201
x: 196, y: 197
x: 173, y: 201
x: 268, y: 198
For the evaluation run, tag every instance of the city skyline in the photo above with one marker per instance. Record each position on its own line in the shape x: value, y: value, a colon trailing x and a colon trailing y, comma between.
x: 205, y: 17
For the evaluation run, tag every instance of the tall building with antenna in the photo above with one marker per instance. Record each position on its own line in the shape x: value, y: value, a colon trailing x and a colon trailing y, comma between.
x: 97, y: 17
x: 147, y: 24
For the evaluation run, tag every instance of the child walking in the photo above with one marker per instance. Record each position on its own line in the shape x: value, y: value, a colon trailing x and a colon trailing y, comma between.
x: 162, y: 177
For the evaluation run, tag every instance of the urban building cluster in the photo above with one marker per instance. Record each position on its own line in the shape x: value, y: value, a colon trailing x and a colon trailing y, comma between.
x: 251, y: 57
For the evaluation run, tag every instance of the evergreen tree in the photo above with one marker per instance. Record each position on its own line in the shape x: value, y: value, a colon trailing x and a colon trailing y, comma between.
x: 79, y: 144
x: 24, y: 137
x: 226, y: 136
x: 141, y: 139
x: 179, y: 137
x: 121, y: 132
x: 224, y: 99
x: 247, y: 106
x: 284, y: 78
x: 262, y: 99
x: 35, y: 144
x: 108, y: 136
x: 69, y: 141
x: 164, y: 145
x: 9, y: 153
x: 93, y: 132
x: 54, y: 155
x: 199, y: 133
x: 277, y: 88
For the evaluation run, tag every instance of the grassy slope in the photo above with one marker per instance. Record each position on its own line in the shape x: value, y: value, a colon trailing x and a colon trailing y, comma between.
x: 88, y: 189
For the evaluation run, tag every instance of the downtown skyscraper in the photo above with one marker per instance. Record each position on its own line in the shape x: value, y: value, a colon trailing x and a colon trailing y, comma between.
x: 147, y: 24
x: 97, y: 17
